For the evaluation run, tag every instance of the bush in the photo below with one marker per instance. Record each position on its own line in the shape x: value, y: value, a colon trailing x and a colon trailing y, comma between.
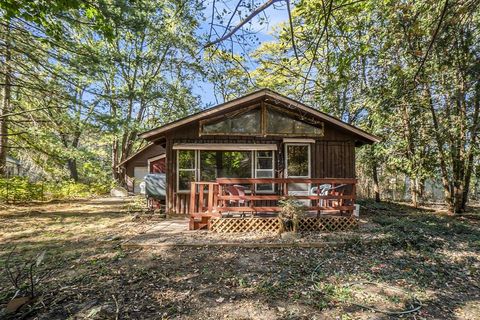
x: 20, y: 189
x: 291, y: 213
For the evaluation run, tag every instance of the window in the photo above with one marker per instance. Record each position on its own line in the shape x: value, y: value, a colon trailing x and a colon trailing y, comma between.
x: 225, y: 164
x: 186, y: 165
x: 280, y: 123
x: 208, y: 165
x: 246, y: 123
x: 298, y: 160
x: 264, y: 169
x: 261, y: 121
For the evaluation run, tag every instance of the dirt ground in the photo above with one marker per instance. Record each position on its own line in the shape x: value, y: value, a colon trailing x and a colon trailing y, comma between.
x: 400, y: 259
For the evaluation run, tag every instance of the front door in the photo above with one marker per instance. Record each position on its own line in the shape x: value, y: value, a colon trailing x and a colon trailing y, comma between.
x: 297, y: 165
x: 157, y: 166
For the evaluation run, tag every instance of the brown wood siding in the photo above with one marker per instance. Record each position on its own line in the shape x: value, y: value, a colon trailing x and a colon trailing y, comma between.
x: 330, y: 159
x: 333, y: 156
x: 141, y: 159
x: 334, y: 159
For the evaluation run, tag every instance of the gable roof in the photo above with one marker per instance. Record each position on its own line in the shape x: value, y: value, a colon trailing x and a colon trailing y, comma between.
x: 150, y: 144
x: 262, y: 93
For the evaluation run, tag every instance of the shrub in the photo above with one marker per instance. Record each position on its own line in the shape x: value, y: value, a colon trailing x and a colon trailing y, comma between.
x: 20, y: 189
x: 291, y: 213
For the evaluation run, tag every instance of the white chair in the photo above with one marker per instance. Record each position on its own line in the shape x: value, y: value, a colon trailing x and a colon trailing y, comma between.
x: 322, y: 190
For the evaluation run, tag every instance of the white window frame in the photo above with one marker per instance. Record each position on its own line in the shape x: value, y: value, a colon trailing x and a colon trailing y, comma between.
x: 195, y: 170
x: 197, y: 175
x: 309, y: 159
x: 264, y: 170
x: 150, y: 160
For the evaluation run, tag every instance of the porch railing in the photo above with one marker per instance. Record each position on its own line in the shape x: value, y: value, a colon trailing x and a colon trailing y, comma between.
x: 211, y: 199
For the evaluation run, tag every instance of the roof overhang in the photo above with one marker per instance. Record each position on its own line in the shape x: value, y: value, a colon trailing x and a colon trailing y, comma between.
x: 224, y: 146
x: 258, y: 95
x: 136, y: 154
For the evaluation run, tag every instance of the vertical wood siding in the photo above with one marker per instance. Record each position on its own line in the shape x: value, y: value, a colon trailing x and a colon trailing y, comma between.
x: 330, y: 159
x: 333, y: 156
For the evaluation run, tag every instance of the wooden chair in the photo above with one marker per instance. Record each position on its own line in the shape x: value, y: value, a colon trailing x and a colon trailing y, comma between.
x: 239, y: 191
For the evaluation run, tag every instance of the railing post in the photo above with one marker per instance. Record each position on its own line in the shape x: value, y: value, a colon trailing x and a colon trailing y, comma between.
x: 200, y: 197
x: 192, y: 197
x: 210, y: 197
x: 354, y: 194
x: 215, y: 197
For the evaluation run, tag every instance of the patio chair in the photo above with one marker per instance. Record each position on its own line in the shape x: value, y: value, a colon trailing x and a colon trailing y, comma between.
x: 321, y: 190
x: 237, y: 190
x: 328, y: 190
x: 338, y: 191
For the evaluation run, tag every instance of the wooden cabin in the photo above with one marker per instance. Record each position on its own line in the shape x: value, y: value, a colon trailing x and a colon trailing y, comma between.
x: 255, y: 140
x: 149, y: 159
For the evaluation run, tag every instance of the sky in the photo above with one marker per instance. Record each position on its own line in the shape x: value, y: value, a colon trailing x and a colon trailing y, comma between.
x: 275, y: 16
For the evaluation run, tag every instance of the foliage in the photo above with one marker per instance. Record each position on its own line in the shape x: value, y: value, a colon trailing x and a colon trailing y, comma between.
x: 80, y: 80
x: 86, y: 78
x: 381, y: 66
x: 44, y: 12
x: 291, y: 213
x: 20, y: 189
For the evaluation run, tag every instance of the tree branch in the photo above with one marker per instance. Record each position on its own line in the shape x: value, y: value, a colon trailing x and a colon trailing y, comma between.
x: 432, y: 41
x: 243, y: 22
x: 292, y: 35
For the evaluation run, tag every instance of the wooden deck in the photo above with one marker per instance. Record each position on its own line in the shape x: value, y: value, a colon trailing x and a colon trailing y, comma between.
x: 213, y: 200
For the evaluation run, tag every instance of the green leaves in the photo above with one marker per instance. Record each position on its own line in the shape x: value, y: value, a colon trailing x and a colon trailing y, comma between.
x: 361, y: 65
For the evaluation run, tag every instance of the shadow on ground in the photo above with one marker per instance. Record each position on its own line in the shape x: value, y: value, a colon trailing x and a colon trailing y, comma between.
x: 434, y: 258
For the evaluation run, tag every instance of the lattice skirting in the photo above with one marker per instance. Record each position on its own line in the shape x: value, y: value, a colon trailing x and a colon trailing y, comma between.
x: 234, y: 225
x: 274, y: 225
x: 327, y: 224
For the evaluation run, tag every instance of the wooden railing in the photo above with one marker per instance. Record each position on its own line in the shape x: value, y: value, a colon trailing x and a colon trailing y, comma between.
x: 204, y: 199
x: 211, y: 199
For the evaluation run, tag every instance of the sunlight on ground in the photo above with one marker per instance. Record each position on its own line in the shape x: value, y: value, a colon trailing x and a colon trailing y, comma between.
x: 387, y: 265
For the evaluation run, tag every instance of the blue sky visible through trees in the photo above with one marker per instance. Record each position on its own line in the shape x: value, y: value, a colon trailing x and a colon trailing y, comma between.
x: 274, y: 14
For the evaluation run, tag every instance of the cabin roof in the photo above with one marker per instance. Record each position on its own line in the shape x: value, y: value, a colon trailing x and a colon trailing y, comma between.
x: 138, y: 153
x: 259, y: 94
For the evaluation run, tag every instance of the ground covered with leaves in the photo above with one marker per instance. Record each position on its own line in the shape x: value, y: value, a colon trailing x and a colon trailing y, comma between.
x: 416, y: 259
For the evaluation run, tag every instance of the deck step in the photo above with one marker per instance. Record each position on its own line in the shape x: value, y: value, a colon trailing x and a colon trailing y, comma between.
x: 197, y: 224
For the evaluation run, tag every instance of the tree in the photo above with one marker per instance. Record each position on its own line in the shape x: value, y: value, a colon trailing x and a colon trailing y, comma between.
x: 403, y: 70
x: 146, y: 69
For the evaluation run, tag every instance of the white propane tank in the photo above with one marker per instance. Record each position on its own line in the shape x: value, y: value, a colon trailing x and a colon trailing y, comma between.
x: 142, y: 186
x: 356, y: 212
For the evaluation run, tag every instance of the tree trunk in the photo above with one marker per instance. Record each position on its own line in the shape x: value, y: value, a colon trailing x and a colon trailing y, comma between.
x: 72, y: 167
x: 414, y: 191
x: 376, y: 184
x: 421, y: 190
x: 5, y: 107
x: 115, y: 162
x: 447, y: 186
x: 470, y: 153
x: 476, y: 187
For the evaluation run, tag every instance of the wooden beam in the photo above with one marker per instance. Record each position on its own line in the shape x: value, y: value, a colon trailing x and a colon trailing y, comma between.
x: 210, y: 198
x: 192, y: 197
x: 278, y: 209
x: 286, y: 180
x: 279, y: 197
